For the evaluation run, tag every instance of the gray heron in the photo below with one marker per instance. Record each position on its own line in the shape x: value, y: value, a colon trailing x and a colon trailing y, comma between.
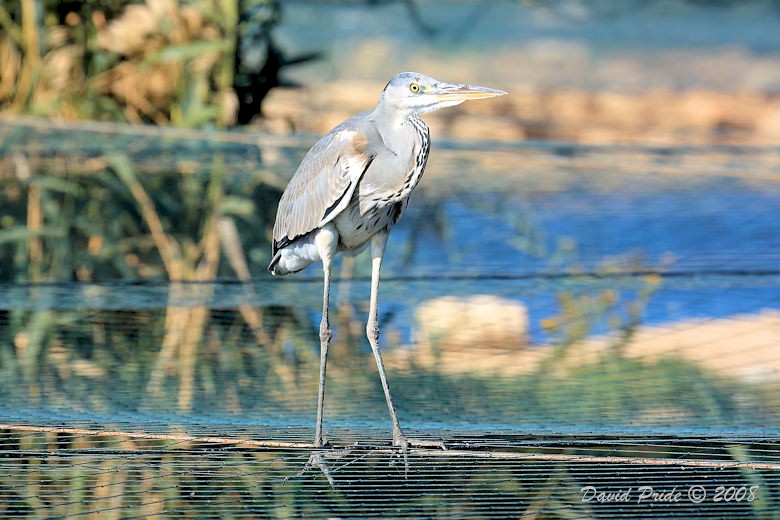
x: 351, y: 187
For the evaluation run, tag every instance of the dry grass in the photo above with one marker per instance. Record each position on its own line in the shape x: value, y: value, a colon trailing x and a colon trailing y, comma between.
x: 160, y: 61
x: 603, y: 117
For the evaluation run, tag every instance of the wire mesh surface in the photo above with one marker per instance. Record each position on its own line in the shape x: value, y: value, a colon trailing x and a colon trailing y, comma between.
x: 113, y: 475
x: 628, y: 344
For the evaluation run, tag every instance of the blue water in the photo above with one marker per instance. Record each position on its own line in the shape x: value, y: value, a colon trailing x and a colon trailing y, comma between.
x: 721, y: 239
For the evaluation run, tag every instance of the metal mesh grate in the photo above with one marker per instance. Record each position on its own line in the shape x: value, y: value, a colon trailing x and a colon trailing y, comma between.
x: 630, y: 339
x: 121, y: 474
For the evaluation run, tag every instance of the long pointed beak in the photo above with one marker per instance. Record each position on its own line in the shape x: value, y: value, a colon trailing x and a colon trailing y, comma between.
x: 453, y: 91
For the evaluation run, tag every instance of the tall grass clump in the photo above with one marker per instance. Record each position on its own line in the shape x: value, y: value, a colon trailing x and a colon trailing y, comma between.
x: 167, y: 62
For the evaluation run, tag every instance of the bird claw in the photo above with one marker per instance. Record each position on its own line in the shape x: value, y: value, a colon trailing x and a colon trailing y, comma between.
x: 400, y: 440
x: 324, y: 450
x: 318, y: 460
x: 323, y: 443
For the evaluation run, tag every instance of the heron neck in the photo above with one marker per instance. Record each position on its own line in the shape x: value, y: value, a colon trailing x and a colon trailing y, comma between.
x: 391, y: 123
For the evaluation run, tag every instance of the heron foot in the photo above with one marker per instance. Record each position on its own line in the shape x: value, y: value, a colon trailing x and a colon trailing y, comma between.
x: 318, y: 459
x: 322, y: 442
x: 400, y: 440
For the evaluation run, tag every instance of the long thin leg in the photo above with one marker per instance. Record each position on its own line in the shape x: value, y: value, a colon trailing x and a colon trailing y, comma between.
x: 378, y: 242
x: 326, y: 241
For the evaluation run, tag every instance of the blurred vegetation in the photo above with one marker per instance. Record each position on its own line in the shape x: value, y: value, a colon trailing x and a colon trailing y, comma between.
x: 101, y: 220
x: 190, y: 63
x: 187, y: 63
x: 98, y: 218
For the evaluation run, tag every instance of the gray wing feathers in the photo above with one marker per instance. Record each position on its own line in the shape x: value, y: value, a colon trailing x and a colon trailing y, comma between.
x: 323, y: 184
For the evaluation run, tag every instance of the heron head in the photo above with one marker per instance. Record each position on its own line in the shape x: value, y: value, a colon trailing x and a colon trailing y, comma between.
x: 413, y: 93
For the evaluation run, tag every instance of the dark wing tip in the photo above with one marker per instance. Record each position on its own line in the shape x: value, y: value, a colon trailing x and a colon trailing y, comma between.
x: 274, y: 261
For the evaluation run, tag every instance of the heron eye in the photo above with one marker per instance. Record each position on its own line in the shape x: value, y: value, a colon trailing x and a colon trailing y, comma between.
x: 414, y: 87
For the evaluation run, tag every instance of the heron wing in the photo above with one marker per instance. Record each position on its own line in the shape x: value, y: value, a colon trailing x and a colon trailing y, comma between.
x: 323, y: 185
